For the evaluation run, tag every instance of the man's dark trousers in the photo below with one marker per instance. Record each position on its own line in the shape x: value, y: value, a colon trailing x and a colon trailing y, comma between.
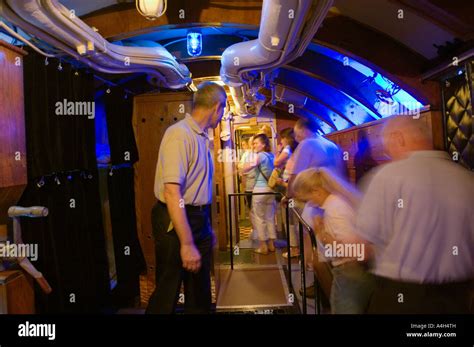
x: 169, y: 270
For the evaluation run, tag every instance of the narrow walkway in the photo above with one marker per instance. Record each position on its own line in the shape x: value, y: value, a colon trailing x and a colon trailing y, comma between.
x: 252, y: 287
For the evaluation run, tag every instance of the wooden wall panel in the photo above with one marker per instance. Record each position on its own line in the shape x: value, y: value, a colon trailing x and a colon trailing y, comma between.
x: 219, y: 199
x: 152, y: 115
x: 284, y: 123
x: 348, y: 139
x: 16, y: 293
x: 12, y: 118
x: 13, y: 173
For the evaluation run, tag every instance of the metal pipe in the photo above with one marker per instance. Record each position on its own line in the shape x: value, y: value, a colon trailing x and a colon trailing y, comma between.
x: 277, y: 38
x: 314, y: 246
x: 73, y: 35
x: 230, y: 232
x: 303, y: 268
x: 24, y: 40
x: 287, y: 218
x: 14, y: 18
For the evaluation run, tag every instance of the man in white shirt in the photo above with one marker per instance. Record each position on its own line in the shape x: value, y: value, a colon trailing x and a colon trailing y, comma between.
x: 418, y: 215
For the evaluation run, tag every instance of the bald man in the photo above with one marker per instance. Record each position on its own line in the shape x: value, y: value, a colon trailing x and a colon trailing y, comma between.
x: 418, y: 216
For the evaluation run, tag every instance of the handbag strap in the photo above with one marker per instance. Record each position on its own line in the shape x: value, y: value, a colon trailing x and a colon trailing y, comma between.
x: 260, y: 170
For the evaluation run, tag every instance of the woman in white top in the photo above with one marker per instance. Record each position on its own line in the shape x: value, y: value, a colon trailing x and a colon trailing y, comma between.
x: 338, y: 243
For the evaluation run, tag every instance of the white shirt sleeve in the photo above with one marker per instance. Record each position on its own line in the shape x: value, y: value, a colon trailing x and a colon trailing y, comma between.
x: 371, y: 214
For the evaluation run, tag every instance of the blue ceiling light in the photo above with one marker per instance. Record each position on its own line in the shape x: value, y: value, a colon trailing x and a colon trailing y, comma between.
x: 390, y: 98
x: 194, y: 43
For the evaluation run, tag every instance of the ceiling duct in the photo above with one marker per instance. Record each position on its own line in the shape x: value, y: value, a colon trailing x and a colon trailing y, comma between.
x: 286, y: 29
x: 56, y: 25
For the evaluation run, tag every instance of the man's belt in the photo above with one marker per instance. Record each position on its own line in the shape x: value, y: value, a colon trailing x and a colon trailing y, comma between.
x: 191, y: 208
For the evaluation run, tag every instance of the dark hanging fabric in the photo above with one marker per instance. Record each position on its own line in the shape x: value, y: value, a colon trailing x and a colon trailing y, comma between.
x: 129, y: 259
x: 119, y: 113
x: 72, y: 253
x: 71, y: 244
x: 57, y: 142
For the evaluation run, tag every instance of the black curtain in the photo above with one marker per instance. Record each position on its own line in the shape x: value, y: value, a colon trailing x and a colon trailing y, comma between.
x: 57, y: 142
x: 129, y: 259
x: 71, y: 243
x: 62, y: 175
x: 119, y: 112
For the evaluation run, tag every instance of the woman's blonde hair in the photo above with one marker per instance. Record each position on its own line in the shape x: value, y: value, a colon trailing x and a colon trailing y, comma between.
x: 310, y: 179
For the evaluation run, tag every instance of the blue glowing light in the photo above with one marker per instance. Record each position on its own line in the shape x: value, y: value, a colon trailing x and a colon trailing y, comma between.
x: 194, y: 44
x: 400, y: 101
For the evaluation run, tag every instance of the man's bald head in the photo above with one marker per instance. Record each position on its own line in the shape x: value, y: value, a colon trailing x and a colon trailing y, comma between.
x: 403, y: 135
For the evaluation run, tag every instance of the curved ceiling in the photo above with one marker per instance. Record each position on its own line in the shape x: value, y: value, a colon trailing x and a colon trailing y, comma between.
x: 339, y: 89
x: 407, y: 27
x: 420, y: 25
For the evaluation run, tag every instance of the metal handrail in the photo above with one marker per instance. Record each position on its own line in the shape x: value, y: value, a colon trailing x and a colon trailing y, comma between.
x: 302, y: 224
x: 229, y: 196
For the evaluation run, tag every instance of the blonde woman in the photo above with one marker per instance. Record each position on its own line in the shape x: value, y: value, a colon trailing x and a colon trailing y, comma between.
x: 338, y: 243
x: 263, y: 206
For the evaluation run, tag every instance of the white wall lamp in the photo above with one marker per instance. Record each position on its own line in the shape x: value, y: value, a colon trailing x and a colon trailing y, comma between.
x: 152, y: 9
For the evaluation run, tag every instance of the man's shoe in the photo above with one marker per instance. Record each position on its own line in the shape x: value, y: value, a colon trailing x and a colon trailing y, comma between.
x: 309, y: 292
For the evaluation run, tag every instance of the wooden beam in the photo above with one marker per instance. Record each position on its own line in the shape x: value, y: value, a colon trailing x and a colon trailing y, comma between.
x: 113, y: 22
x: 450, y: 18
